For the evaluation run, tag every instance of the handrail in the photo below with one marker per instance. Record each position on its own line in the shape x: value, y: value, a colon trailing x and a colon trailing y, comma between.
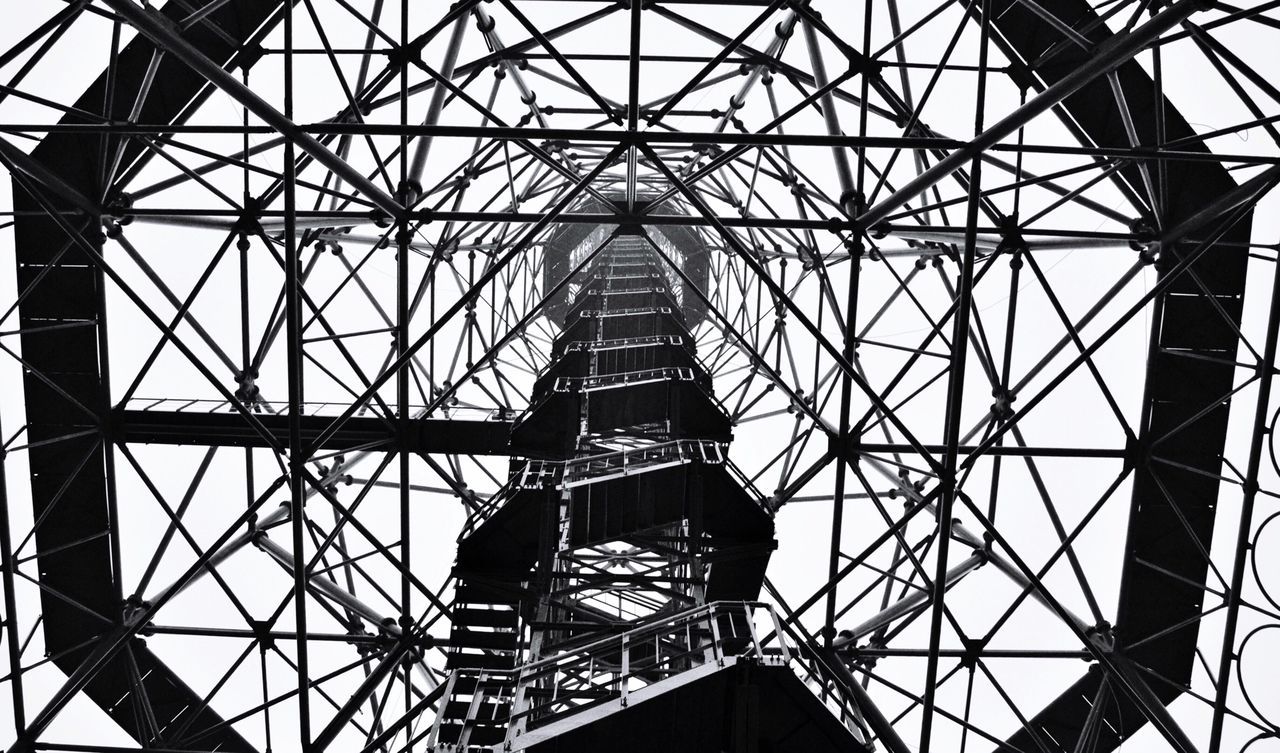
x: 664, y: 647
x: 569, y: 473
x: 624, y: 342
x: 491, y: 505
x: 648, y: 628
x: 677, y: 254
x: 566, y: 474
x: 312, y: 408
x: 632, y: 311
x: 622, y: 378
x: 748, y: 486
x: 835, y: 693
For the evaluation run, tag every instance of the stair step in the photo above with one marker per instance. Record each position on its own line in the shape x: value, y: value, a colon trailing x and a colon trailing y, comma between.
x: 545, y: 719
x: 578, y: 627
x: 536, y: 693
x: 470, y: 592
x: 459, y: 638
x: 480, y: 661
x: 486, y: 712
x: 472, y: 617
x: 466, y: 685
x: 580, y: 578
x: 480, y: 734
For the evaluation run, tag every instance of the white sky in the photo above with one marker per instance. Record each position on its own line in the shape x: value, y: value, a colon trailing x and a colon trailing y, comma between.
x: 1074, y: 416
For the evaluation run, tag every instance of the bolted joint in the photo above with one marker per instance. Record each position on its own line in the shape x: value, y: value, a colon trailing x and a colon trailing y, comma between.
x: 1145, y: 241
x: 1022, y: 74
x: 1137, y: 452
x: 405, y: 55
x: 249, y: 221
x: 1002, y: 407
x: 262, y: 633
x: 118, y: 209
x: 845, y: 447
x: 1011, y: 241
x: 133, y: 606
x: 797, y: 406
x: 408, y: 192
x: 854, y: 202
x: 247, y: 391
x: 972, y: 651
x: 1103, y: 636
x: 863, y: 66
x: 835, y: 225
x: 247, y: 57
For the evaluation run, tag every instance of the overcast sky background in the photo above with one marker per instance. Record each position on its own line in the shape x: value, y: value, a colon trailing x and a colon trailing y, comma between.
x: 1075, y: 416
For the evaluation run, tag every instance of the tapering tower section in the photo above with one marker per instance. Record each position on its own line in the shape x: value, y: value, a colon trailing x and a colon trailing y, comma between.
x: 623, y: 559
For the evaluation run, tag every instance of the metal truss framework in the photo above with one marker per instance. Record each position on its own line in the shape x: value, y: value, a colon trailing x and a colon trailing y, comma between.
x: 988, y: 307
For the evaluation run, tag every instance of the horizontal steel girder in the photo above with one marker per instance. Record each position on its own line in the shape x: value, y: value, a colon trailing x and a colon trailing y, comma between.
x: 425, y: 435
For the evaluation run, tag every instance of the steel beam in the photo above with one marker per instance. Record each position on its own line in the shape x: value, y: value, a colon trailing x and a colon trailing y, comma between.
x: 1106, y: 58
x: 912, y: 602
x: 389, y: 662
x: 150, y: 22
x: 1266, y: 371
x: 518, y: 247
x: 438, y: 95
x: 425, y: 435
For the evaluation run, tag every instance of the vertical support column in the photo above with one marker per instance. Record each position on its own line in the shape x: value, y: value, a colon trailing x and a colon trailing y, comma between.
x: 955, y: 396
x: 413, y: 179
x: 7, y: 567
x: 410, y: 187
x: 297, y: 464
x: 1267, y: 369
x: 851, y: 204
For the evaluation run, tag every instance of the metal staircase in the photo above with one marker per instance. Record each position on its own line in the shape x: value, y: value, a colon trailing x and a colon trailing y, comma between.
x: 622, y: 560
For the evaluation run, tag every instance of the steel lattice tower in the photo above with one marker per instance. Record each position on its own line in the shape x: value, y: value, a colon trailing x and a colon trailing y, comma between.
x: 559, y: 375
